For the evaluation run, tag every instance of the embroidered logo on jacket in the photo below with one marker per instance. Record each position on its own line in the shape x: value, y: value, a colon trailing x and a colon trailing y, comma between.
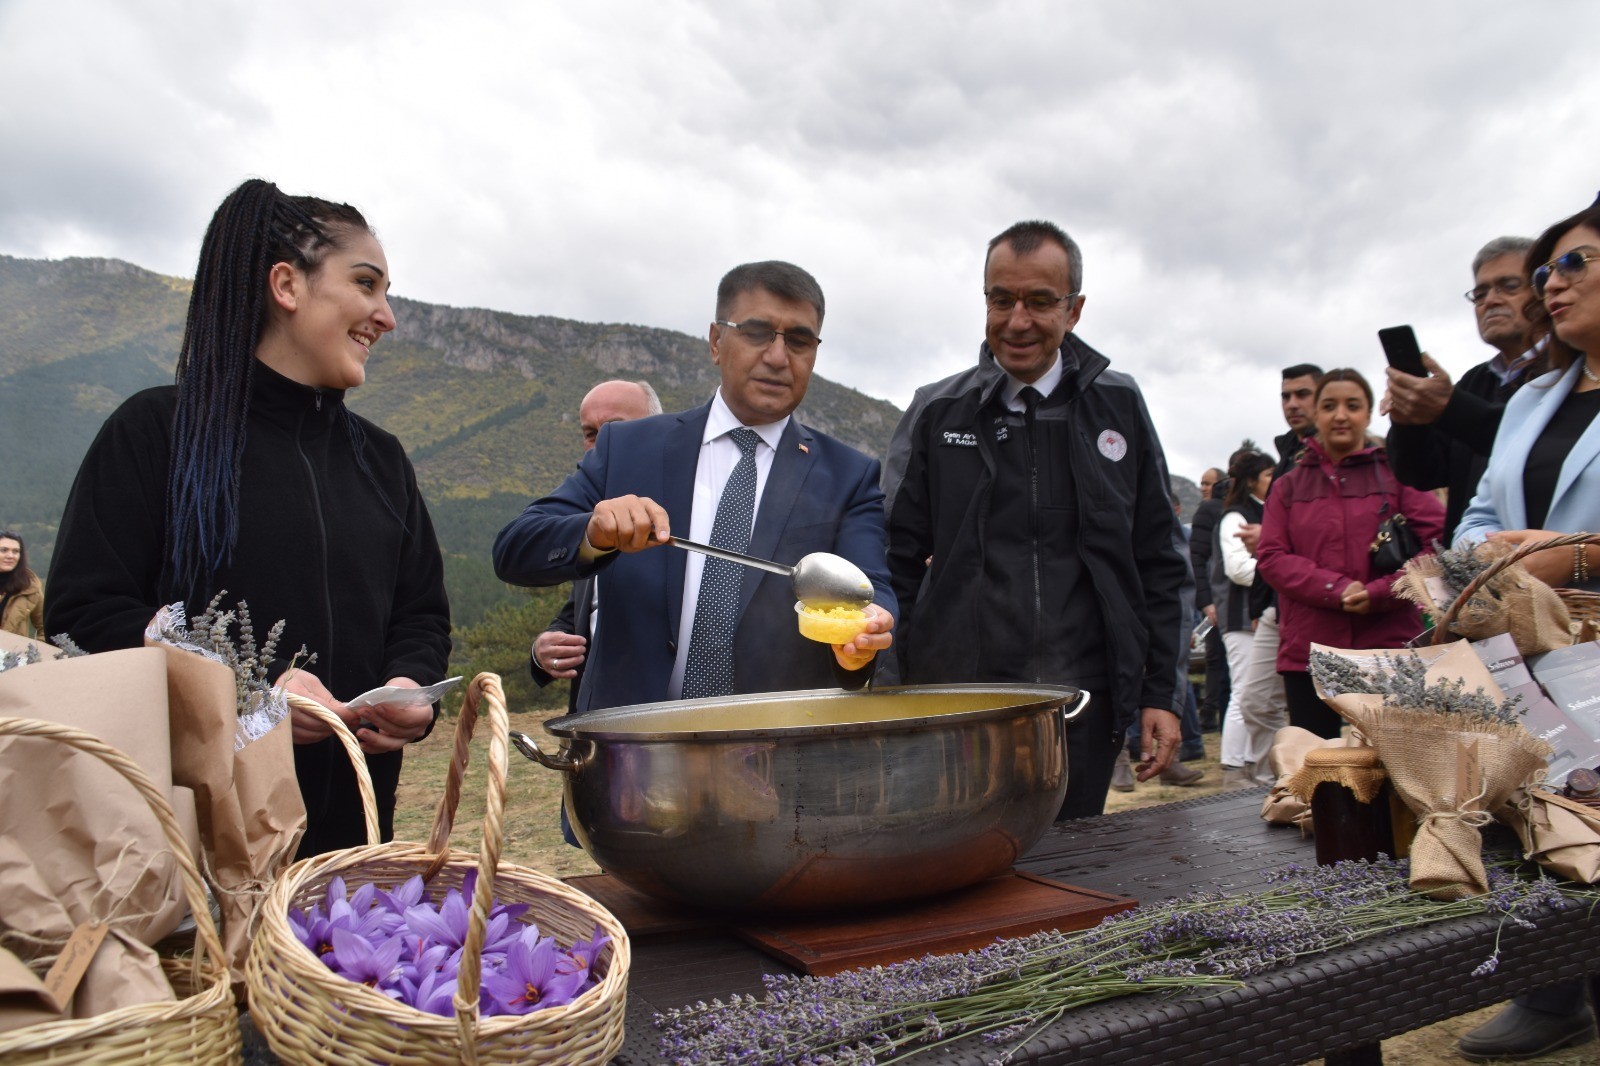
x: 953, y: 439
x: 1112, y: 445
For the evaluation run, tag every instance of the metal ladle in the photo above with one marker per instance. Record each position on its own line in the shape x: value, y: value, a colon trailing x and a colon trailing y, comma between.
x: 819, y: 580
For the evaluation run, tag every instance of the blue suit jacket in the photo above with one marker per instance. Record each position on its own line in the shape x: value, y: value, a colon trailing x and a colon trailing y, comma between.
x: 820, y: 495
x: 1499, y: 503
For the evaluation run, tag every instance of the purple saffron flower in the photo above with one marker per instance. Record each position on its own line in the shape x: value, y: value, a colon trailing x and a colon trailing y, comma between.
x: 580, y: 957
x: 359, y: 959
x: 531, y: 980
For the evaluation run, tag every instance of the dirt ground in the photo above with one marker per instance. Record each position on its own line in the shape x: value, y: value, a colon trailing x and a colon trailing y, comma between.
x: 533, y: 838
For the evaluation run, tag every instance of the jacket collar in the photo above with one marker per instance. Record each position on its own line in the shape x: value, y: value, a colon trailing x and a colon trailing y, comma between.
x: 1313, y: 454
x: 283, y: 398
x: 1080, y: 366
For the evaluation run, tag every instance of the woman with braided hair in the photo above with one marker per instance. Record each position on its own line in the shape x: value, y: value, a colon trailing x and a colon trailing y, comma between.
x: 251, y: 475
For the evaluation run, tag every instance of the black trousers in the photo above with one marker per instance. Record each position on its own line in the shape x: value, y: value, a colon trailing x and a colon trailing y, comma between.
x: 1306, y: 708
x: 1092, y: 746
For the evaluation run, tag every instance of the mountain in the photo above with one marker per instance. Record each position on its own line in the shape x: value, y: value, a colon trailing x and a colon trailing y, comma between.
x: 485, y: 401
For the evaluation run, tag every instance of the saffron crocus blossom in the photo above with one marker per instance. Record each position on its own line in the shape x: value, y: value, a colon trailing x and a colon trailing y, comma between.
x: 402, y: 944
x: 579, y: 958
x: 359, y: 959
x: 532, y: 978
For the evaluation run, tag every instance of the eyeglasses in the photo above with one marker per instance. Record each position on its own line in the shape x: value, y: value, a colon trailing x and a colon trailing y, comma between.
x: 1037, y: 303
x: 1571, y: 266
x: 758, y: 334
x: 1504, y: 286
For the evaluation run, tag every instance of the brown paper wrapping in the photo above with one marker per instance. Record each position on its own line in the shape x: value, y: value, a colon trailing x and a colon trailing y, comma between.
x: 248, y: 803
x: 1423, y: 753
x: 75, y: 842
x: 1558, y: 833
x: 24, y: 1000
x: 1288, y: 755
x: 1512, y: 601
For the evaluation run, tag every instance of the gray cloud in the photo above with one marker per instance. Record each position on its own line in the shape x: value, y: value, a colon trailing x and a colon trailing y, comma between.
x: 1252, y: 185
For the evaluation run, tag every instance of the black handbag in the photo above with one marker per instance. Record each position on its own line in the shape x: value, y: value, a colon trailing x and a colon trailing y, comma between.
x: 1395, y: 543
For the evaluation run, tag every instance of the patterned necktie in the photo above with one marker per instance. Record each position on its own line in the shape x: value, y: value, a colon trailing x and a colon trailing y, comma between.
x: 708, y: 671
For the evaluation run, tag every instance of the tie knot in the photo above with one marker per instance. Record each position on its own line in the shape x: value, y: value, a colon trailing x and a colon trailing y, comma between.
x: 746, y: 439
x: 1030, y: 398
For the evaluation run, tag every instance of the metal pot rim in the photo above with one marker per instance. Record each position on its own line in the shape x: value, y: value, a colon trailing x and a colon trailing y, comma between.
x: 602, y: 724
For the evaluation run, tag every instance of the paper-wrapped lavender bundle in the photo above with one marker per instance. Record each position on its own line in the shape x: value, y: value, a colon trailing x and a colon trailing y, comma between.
x: 1454, y: 748
x: 232, y: 744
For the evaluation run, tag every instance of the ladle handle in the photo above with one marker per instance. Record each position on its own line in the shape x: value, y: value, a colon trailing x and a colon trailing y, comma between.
x: 733, y: 557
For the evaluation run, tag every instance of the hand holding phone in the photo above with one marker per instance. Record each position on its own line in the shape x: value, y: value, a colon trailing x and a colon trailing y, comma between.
x: 1400, y: 349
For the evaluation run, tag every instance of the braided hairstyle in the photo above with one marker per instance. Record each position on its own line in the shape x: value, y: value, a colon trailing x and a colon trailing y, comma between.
x: 256, y: 227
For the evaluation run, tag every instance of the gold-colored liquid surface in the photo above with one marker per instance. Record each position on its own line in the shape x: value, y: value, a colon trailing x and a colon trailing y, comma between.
x: 842, y: 710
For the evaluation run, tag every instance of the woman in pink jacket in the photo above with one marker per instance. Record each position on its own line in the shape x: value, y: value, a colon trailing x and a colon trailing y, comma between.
x: 1316, y: 542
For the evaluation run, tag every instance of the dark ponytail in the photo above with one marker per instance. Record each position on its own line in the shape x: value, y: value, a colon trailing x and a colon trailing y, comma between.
x: 255, y: 227
x: 1242, y: 474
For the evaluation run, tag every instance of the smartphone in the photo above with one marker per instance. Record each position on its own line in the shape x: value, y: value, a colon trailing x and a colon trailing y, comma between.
x: 1400, y: 349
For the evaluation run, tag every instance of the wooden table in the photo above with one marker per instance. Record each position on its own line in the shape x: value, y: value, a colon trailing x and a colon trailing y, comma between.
x: 1340, y: 1003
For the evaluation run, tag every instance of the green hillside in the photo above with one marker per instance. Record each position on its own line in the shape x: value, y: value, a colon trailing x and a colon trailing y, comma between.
x: 485, y: 402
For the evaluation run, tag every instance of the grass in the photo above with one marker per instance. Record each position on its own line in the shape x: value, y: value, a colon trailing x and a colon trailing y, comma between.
x: 533, y: 838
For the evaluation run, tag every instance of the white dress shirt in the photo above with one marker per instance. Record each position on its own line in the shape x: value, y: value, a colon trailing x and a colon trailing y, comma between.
x: 718, y: 456
x: 1011, y: 391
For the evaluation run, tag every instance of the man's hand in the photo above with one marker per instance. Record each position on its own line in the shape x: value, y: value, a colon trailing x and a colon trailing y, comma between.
x: 391, y: 726
x: 628, y: 524
x: 1355, y: 599
x: 1160, y: 734
x: 559, y: 654
x: 1553, y: 567
x: 308, y: 729
x: 1211, y: 613
x: 874, y: 638
x: 1415, y: 401
x: 1250, y: 535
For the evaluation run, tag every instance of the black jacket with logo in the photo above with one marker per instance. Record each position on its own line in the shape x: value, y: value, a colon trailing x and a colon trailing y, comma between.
x: 1103, y: 496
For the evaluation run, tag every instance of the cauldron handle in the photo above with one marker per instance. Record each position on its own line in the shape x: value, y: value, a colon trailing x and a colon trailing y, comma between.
x: 1067, y: 716
x: 564, y: 761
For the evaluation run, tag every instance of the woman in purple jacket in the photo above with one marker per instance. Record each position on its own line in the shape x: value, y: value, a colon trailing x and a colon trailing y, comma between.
x: 1316, y: 538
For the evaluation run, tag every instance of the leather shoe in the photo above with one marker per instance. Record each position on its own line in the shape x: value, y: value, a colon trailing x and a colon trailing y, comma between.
x: 1182, y: 776
x: 1520, y: 1032
x: 1122, y: 773
x: 1194, y: 754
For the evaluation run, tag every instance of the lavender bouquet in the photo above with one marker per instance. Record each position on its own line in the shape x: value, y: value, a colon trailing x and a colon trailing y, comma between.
x: 403, y: 944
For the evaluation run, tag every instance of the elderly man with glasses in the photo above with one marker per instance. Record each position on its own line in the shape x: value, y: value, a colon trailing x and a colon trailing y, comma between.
x: 738, y: 472
x: 1030, y: 534
x: 1441, y: 431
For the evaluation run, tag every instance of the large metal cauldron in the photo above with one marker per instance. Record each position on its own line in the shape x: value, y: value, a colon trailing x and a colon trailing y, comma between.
x: 812, y: 801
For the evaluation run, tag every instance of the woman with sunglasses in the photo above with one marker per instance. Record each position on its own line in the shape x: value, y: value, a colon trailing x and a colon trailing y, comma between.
x: 1543, y: 480
x: 250, y: 475
x: 21, y: 595
x: 1315, y: 550
x: 1543, y: 477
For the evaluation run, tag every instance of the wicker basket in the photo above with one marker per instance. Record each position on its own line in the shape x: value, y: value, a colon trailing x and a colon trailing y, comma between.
x: 1582, y: 605
x: 309, y: 1014
x: 199, y: 1027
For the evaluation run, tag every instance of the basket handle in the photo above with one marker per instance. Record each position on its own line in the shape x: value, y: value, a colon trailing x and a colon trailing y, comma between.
x: 484, y: 696
x: 352, y: 748
x: 1442, y: 627
x: 208, y: 945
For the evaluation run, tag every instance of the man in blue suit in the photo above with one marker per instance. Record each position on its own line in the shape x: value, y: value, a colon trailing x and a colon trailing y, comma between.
x: 648, y: 479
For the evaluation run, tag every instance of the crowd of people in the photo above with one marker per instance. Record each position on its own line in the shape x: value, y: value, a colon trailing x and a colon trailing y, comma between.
x: 1020, y: 529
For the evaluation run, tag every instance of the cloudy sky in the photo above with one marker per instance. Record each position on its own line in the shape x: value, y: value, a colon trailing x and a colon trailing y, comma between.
x: 1253, y: 184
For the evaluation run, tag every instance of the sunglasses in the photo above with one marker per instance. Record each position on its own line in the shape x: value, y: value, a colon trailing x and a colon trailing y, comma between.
x: 1571, y: 266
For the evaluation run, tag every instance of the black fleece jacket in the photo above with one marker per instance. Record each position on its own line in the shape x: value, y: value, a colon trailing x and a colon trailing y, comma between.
x: 358, y: 582
x: 1115, y: 519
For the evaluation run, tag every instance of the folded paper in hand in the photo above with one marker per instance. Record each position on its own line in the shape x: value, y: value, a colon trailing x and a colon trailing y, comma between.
x: 409, y: 697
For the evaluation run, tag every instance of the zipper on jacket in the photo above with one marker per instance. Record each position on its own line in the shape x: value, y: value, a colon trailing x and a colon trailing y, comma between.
x: 324, y: 665
x: 1034, y: 532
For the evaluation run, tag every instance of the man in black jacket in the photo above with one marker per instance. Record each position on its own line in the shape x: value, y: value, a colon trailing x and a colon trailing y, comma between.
x: 1031, y: 538
x: 1202, y: 532
x: 1442, y: 432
